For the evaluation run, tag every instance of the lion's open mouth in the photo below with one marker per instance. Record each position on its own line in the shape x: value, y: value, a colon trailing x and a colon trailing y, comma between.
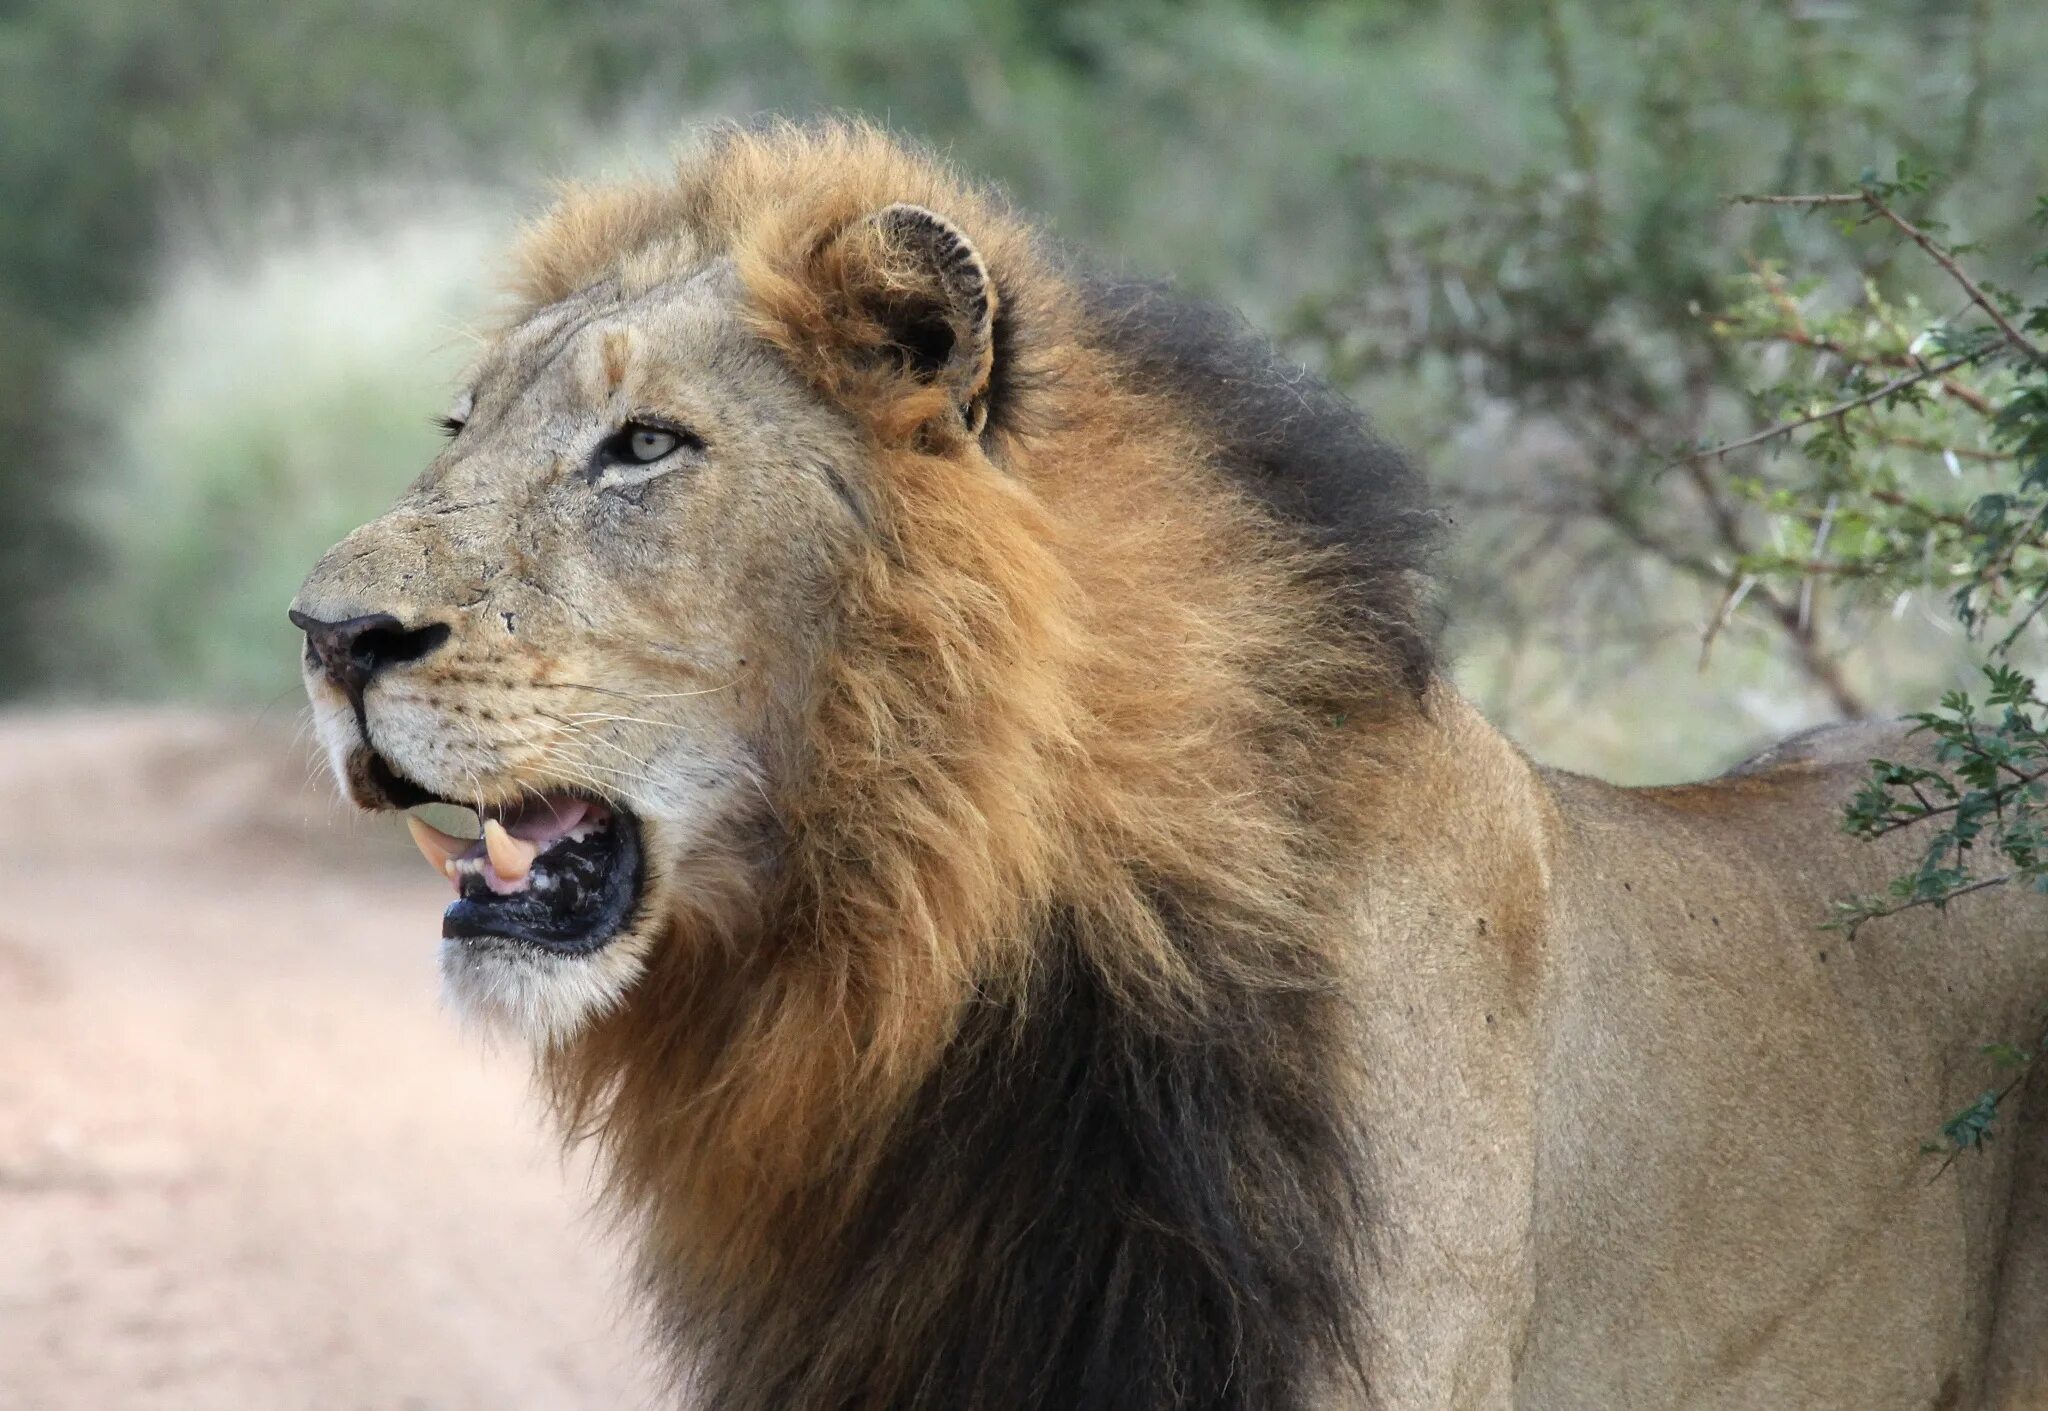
x: 558, y: 870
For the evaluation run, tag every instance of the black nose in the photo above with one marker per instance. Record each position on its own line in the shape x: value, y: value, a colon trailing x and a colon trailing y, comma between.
x: 352, y: 651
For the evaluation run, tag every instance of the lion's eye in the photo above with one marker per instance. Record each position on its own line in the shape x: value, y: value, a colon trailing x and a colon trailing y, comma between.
x: 648, y: 444
x: 457, y: 416
x: 639, y: 451
x: 643, y: 443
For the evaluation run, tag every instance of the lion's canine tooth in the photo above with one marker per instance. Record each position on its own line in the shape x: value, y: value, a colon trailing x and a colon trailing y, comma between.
x: 438, y: 848
x: 511, y: 858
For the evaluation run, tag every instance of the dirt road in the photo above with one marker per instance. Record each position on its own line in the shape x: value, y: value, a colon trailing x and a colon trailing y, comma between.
x: 246, y: 1161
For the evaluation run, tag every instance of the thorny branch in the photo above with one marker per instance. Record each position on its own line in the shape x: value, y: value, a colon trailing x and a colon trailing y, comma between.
x: 1880, y: 209
x: 1890, y: 389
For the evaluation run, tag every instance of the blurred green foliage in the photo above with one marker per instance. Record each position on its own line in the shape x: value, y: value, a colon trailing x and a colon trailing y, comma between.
x: 114, y: 115
x: 143, y: 143
x: 238, y: 242
x: 1561, y: 318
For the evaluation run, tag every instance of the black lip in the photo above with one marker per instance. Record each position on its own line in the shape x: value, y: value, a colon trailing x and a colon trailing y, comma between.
x: 610, y: 872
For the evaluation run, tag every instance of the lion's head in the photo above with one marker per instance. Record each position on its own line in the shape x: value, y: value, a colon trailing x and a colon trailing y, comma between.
x: 820, y: 587
x: 599, y: 617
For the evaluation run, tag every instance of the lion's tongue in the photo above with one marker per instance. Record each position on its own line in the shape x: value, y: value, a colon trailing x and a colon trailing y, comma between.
x: 540, y: 821
x: 512, y: 838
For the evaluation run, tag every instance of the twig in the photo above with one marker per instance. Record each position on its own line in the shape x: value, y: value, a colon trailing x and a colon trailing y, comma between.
x: 2040, y: 601
x: 1961, y: 453
x: 1927, y: 512
x: 1875, y: 204
x: 1946, y: 897
x: 1832, y: 198
x: 1899, y: 384
x: 1811, y: 658
x: 1799, y: 338
x: 1947, y: 261
x: 1416, y: 169
x: 1997, y: 1100
x: 1998, y: 794
x: 1824, y: 568
x: 1738, y: 589
x: 1809, y: 582
x: 1992, y: 573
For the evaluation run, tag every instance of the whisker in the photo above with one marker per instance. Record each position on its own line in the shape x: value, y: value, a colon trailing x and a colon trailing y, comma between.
x: 589, y: 765
x: 591, y: 776
x: 584, y: 735
x: 555, y: 758
x: 632, y: 719
x: 274, y: 701
x: 632, y: 695
x: 635, y: 775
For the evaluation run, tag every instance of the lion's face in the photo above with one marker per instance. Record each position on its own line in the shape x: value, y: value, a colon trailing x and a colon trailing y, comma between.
x: 592, y: 619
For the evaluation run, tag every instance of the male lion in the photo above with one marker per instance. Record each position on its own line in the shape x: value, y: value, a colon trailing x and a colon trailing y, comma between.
x: 975, y: 834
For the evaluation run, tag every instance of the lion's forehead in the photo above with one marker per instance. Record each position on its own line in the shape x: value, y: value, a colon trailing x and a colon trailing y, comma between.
x: 681, y: 352
x: 583, y: 343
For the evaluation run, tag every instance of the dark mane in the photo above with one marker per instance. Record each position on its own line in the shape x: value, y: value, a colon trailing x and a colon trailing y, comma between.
x: 1088, y: 1212
x: 1292, y: 443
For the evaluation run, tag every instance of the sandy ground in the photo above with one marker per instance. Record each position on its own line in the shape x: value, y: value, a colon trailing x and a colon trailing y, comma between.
x: 246, y: 1161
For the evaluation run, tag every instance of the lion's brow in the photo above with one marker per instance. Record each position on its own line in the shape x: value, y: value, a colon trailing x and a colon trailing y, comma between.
x: 618, y: 346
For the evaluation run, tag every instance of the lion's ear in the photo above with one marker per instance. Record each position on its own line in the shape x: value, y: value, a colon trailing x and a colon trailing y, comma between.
x: 929, y: 297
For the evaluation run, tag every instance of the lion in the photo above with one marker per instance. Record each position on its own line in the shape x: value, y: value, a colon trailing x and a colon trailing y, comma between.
x: 977, y: 833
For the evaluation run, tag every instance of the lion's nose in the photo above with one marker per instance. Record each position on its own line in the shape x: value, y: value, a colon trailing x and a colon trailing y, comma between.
x: 354, y: 650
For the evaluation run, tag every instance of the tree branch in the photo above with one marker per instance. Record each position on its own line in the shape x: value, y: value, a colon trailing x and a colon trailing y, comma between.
x: 1998, y: 795
x: 1799, y: 338
x: 1875, y: 204
x: 1899, y: 384
x: 1947, y: 261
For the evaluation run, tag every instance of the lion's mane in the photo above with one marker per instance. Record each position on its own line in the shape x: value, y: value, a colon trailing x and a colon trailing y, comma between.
x: 1026, y: 1080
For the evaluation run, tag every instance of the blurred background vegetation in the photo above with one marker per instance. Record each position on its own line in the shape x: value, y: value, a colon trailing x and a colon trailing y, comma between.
x: 240, y: 242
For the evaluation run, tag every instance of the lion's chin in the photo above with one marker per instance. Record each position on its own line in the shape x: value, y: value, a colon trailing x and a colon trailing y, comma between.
x: 543, y: 996
x: 547, y: 929
x: 551, y: 917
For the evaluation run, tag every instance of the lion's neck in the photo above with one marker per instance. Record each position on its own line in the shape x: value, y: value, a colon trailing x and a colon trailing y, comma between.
x: 1081, y: 1208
